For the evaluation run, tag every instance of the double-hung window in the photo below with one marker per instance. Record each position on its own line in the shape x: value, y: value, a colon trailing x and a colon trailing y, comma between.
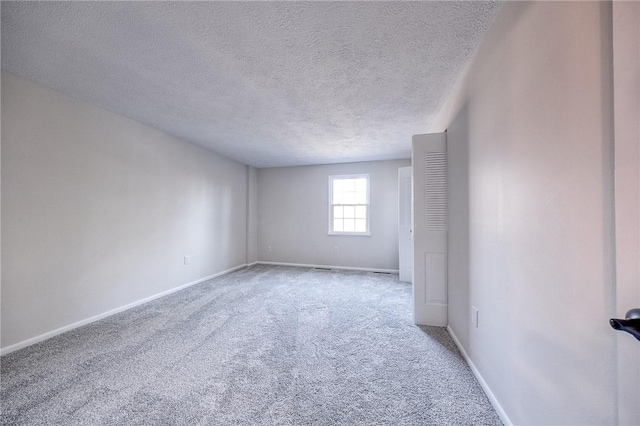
x: 349, y: 205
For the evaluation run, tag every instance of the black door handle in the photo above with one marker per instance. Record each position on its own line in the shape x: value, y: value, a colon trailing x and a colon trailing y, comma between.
x: 631, y: 323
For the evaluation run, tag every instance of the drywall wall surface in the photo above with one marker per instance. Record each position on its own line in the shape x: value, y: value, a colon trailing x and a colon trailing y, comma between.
x: 99, y: 211
x: 626, y: 69
x: 293, y: 216
x: 531, y: 123
x: 252, y: 214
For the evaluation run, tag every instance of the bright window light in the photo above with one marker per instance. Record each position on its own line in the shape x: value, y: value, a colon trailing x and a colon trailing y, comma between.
x: 349, y: 205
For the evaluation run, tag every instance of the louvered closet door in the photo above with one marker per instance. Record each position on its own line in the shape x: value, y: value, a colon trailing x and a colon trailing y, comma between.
x: 429, y: 161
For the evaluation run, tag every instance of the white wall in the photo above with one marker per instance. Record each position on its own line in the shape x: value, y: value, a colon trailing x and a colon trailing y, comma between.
x: 293, y: 209
x: 252, y: 215
x: 98, y: 211
x: 530, y: 231
x: 626, y: 69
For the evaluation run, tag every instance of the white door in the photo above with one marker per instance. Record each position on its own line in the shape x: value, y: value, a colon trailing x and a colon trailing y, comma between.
x: 429, y: 163
x: 626, y: 69
x: 405, y: 243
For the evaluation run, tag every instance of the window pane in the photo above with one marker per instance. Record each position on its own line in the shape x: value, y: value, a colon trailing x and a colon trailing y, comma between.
x: 349, y: 226
x: 349, y: 212
x: 337, y: 212
x: 337, y: 198
x: 349, y: 184
x: 349, y: 198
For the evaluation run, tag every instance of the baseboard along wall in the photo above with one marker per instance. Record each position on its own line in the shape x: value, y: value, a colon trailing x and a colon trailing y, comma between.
x: 52, y: 333
x: 344, y: 268
x: 12, y: 348
x: 485, y: 387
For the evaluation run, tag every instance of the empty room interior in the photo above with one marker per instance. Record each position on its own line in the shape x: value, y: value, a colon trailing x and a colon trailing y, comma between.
x: 314, y: 213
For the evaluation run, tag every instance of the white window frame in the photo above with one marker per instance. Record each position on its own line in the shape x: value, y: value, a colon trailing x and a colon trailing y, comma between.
x: 367, y: 204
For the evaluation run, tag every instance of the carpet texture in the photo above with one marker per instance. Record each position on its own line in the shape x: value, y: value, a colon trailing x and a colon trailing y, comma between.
x: 267, y: 345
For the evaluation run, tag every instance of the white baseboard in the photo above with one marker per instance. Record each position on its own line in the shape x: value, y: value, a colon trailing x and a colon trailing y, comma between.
x: 485, y: 387
x: 346, y: 268
x: 52, y: 333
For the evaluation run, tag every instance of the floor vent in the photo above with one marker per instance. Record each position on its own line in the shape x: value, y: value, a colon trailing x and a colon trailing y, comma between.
x: 383, y: 273
x: 322, y: 269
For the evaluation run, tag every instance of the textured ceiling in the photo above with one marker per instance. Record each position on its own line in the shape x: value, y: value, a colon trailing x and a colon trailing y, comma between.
x: 265, y: 83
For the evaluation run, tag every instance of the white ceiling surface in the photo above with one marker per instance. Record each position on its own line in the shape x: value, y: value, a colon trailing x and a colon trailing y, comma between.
x: 265, y: 83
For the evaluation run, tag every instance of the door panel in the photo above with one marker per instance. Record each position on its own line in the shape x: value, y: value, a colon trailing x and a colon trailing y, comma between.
x: 429, y: 162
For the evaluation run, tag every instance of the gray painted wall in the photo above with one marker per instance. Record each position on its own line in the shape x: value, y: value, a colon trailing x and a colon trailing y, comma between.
x: 626, y: 69
x: 293, y: 209
x: 252, y: 215
x: 530, y: 231
x: 98, y: 211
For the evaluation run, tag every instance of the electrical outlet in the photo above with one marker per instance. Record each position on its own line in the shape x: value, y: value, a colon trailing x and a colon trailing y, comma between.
x: 269, y: 248
x: 336, y: 249
x: 187, y: 260
x: 474, y: 316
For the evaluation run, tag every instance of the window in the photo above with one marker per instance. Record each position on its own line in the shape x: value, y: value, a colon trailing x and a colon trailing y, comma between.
x: 349, y: 205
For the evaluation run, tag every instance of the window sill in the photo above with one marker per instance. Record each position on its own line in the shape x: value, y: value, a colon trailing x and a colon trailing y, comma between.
x: 356, y: 234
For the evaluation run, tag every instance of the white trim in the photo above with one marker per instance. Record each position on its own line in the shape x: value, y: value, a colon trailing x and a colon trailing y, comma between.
x: 346, y: 268
x: 485, y: 387
x: 52, y: 333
